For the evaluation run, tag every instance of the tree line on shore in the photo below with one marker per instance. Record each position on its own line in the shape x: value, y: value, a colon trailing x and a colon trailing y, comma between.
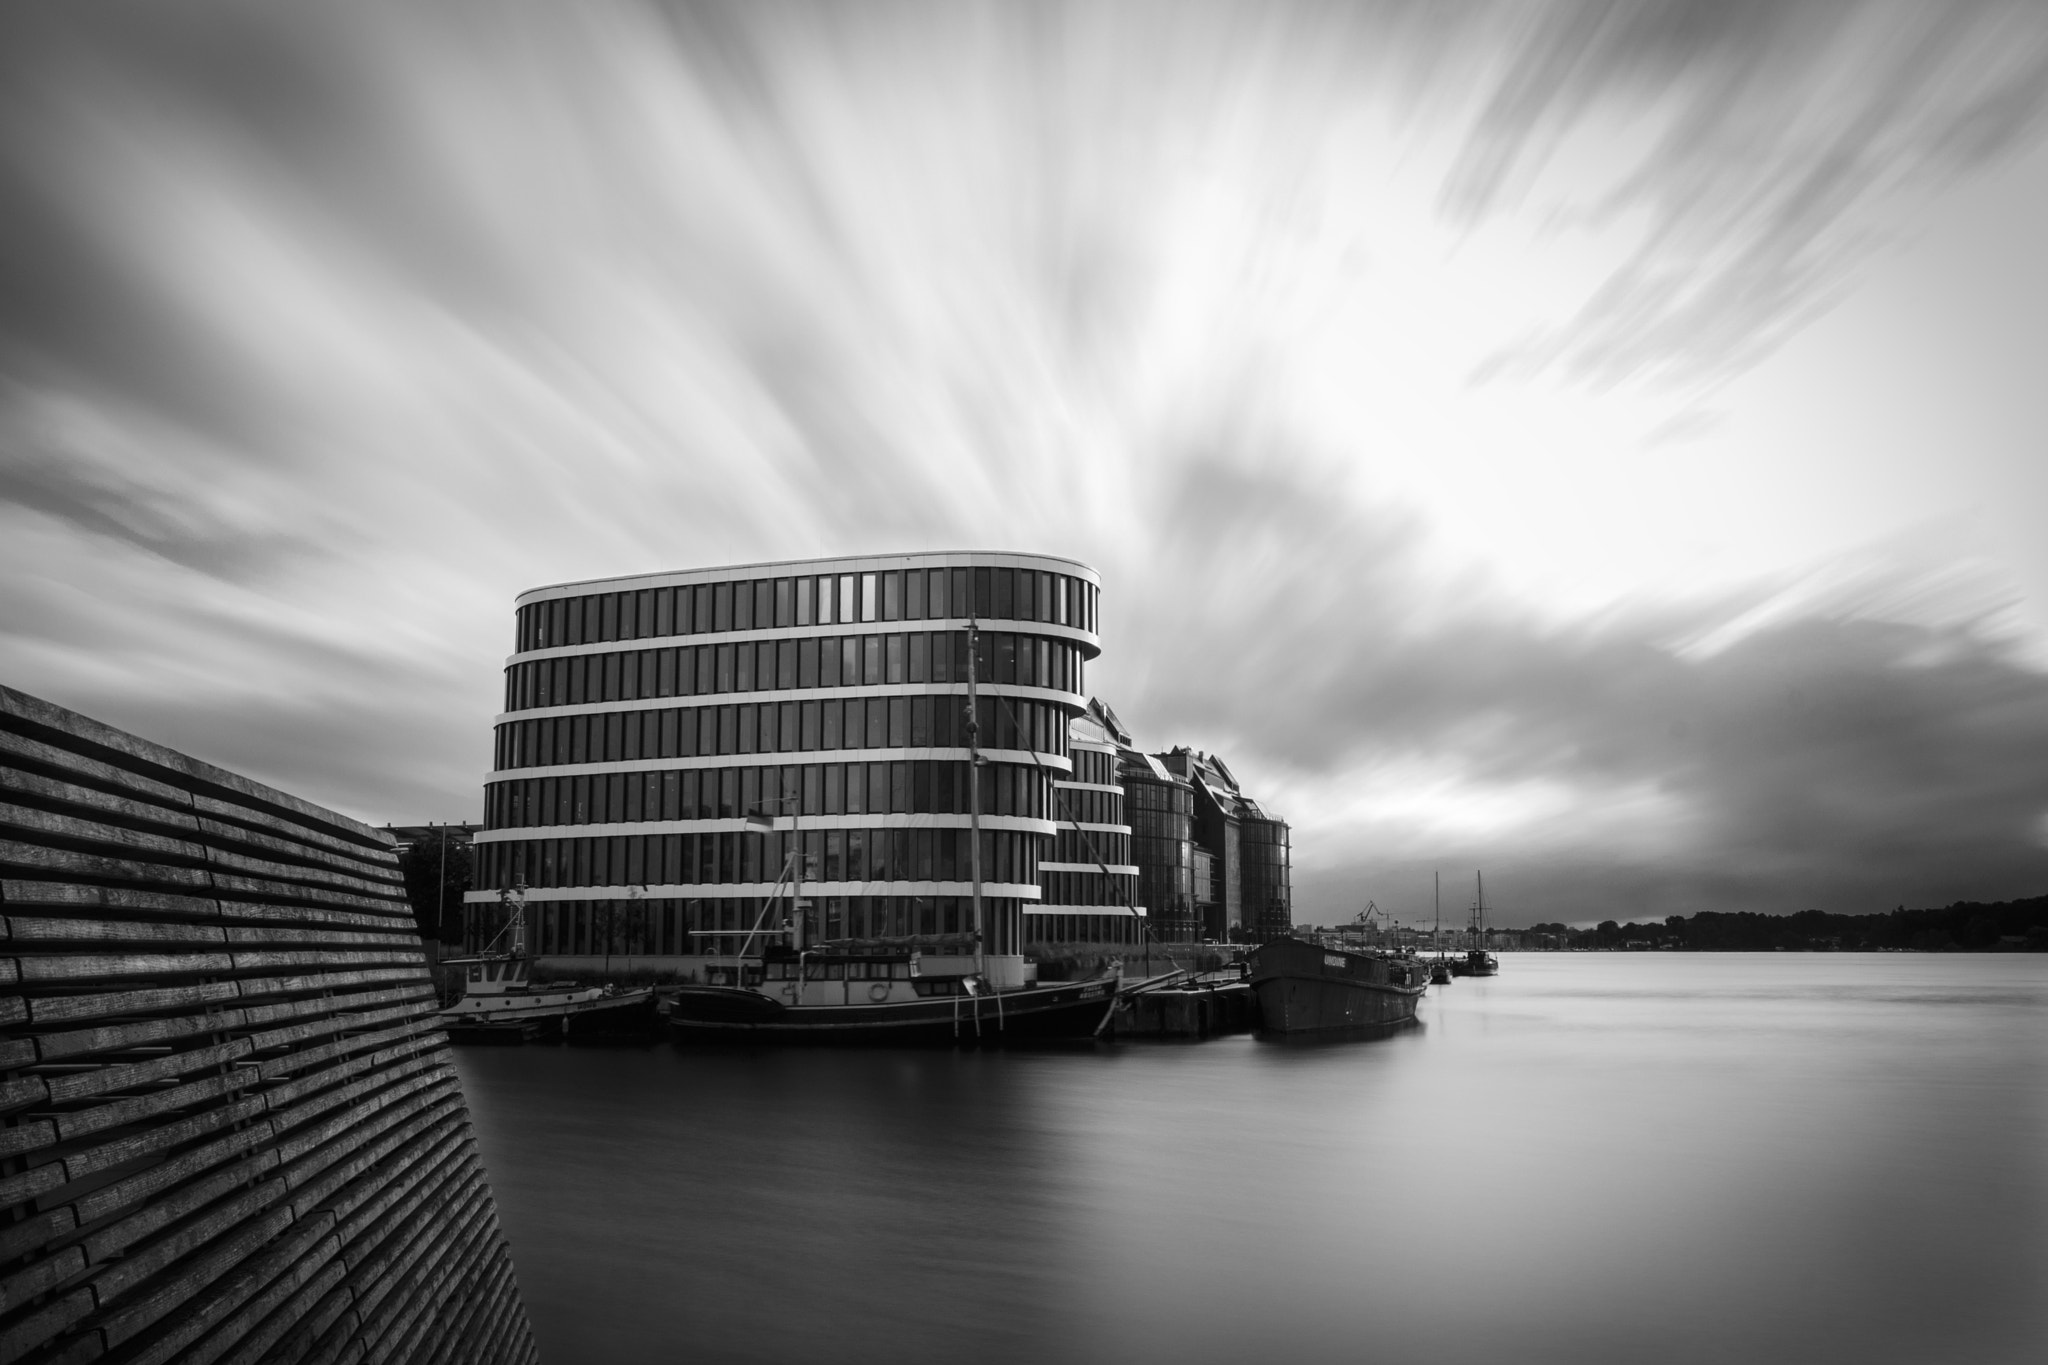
x: 1966, y: 926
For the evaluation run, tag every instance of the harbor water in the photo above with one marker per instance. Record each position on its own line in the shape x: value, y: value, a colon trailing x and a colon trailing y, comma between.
x: 1591, y: 1157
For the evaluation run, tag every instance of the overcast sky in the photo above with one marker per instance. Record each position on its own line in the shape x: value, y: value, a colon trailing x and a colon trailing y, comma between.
x: 1598, y: 444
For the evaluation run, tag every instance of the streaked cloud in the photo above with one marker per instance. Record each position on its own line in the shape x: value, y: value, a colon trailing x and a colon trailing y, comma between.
x: 1348, y: 341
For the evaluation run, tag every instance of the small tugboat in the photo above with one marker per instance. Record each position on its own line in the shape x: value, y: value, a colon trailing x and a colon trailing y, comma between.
x: 1477, y: 961
x: 888, y: 991
x: 1308, y: 987
x: 501, y: 1003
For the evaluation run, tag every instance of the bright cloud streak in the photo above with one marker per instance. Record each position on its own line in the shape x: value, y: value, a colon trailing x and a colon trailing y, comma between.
x: 1357, y: 346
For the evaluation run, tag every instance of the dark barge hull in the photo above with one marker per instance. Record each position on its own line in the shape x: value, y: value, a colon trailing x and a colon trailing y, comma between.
x: 1068, y: 1011
x: 630, y: 1017
x: 1305, y: 988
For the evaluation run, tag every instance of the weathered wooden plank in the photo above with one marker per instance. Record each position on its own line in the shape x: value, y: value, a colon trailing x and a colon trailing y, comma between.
x: 336, y: 832
x: 370, y: 865
x: 309, y: 1109
x: 271, y: 960
x: 32, y: 896
x: 32, y: 1183
x: 324, y: 1173
x: 37, y: 932
x: 86, y: 1084
x: 419, y: 996
x: 22, y: 752
x: 384, y: 1306
x: 68, y: 730
x: 319, y: 1272
x: 50, y: 1009
x: 39, y: 1277
x: 45, y: 862
x: 17, y: 1338
x: 80, y: 967
x: 206, y: 1262
x: 259, y: 912
x: 246, y: 885
x: 74, y: 1044
x: 18, y: 1239
x: 299, y: 984
x: 169, y: 1206
x: 331, y: 1317
x: 149, y: 901
x: 276, y: 875
x: 60, y: 795
x: 156, y: 1110
x: 394, y: 937
x: 27, y: 1136
x: 305, y: 1029
x: 311, y: 1134
x: 429, y: 1294
x: 273, y: 1067
x: 244, y: 1298
x: 33, y: 822
x: 230, y: 1147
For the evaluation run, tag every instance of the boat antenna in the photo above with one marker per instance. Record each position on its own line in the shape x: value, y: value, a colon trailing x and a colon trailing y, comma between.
x: 1437, y: 934
x: 974, y: 791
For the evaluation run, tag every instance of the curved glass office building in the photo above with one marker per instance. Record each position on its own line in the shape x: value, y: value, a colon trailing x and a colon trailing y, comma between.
x: 647, y: 718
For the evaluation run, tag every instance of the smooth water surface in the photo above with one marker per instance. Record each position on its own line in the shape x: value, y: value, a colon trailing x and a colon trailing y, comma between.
x: 1592, y: 1157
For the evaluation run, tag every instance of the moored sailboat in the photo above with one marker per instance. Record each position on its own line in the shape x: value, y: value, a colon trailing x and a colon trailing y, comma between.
x: 781, y: 987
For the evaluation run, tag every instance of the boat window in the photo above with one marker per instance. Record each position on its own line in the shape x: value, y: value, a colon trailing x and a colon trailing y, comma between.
x: 476, y: 973
x: 835, y: 971
x: 899, y: 971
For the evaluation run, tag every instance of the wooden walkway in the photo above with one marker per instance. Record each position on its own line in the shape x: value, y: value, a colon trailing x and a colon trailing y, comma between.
x: 231, y: 1128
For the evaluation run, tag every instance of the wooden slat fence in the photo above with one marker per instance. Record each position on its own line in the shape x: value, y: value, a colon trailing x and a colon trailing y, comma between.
x: 232, y: 1131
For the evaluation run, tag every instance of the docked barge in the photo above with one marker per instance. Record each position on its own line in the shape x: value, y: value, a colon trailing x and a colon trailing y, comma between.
x: 1306, y: 987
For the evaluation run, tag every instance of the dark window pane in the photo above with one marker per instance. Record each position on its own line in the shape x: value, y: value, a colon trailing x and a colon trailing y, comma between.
x: 959, y: 602
x: 807, y: 663
x: 828, y: 662
x: 785, y: 601
x: 721, y: 607
x: 703, y: 616
x: 913, y: 594
x: 810, y: 725
x: 664, y: 611
x: 920, y: 656
x: 920, y: 722
x: 742, y: 606
x: 831, y: 736
x: 899, y: 722
x: 892, y: 596
x: 608, y: 627
x: 728, y: 727
x: 849, y: 661
x: 785, y: 664
x: 786, y: 731
x: 806, y: 591
x: 573, y: 633
x: 743, y: 673
x: 764, y: 603
x: 558, y: 622
x: 668, y: 734
x: 629, y: 615
x: 725, y: 664
x: 892, y: 668
x: 984, y: 594
x: 749, y: 722
x: 877, y: 722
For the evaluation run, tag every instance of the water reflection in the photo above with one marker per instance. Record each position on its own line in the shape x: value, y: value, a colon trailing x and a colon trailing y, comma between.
x: 1671, y: 1158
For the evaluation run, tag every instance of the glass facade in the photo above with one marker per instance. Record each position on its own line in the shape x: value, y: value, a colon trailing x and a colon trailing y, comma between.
x: 1268, y: 874
x: 1007, y: 659
x: 1089, y: 862
x: 1161, y: 815
x: 608, y: 802
x: 812, y: 598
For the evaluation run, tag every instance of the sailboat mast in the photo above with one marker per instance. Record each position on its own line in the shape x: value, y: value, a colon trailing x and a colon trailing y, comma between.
x: 974, y: 790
